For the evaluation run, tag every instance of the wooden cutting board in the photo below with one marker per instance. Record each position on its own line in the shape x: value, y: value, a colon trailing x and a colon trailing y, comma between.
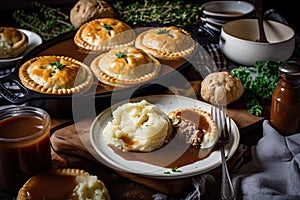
x: 74, y: 139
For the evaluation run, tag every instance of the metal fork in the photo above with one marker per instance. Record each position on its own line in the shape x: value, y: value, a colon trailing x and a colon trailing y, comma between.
x: 223, y: 123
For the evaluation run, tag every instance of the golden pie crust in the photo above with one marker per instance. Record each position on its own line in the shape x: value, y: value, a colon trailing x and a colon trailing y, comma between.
x: 104, y: 34
x: 96, y: 191
x: 202, y: 120
x: 167, y: 43
x: 39, y: 75
x: 136, y: 66
x: 12, y: 42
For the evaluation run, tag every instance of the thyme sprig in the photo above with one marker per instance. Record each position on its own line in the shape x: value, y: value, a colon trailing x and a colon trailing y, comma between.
x: 179, y: 13
x: 46, y: 21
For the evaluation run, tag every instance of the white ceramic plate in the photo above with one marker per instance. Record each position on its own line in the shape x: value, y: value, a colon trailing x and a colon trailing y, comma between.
x: 166, y: 103
x: 33, y: 41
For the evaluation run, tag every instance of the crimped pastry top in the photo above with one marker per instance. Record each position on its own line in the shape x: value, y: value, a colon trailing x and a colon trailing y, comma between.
x: 103, y: 34
x: 12, y: 42
x: 125, y: 66
x: 166, y: 42
x: 126, y: 63
x: 77, y: 185
x: 56, y: 75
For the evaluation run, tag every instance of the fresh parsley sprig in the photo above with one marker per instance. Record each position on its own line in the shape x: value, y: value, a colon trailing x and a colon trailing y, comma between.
x: 173, y: 170
x: 57, y: 65
x: 166, y: 32
x: 121, y: 54
x: 107, y: 27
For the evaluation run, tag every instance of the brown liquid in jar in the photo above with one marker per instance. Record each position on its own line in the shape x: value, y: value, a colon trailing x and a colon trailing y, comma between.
x: 285, y: 106
x: 177, y: 153
x: 20, y: 161
x: 50, y: 185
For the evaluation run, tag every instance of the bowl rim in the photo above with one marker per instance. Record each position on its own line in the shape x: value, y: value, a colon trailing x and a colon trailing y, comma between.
x: 227, y: 2
x: 228, y: 34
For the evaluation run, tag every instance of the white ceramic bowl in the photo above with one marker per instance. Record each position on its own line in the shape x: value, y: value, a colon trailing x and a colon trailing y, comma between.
x: 227, y: 9
x: 216, y: 13
x: 238, y: 41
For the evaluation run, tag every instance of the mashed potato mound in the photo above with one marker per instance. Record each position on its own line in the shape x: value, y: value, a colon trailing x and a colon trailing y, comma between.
x: 139, y: 126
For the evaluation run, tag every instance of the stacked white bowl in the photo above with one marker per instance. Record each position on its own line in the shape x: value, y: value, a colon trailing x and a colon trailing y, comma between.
x: 215, y: 14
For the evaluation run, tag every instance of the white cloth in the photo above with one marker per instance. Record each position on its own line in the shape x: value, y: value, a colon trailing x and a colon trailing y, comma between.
x: 274, y: 172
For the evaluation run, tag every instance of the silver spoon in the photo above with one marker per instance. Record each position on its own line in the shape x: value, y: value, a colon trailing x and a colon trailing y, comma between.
x: 259, y: 14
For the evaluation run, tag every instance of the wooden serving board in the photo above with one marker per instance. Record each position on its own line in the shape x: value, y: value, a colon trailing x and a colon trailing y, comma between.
x: 74, y: 139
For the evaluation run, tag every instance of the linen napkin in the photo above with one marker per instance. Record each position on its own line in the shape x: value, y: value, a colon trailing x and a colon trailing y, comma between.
x: 274, y: 171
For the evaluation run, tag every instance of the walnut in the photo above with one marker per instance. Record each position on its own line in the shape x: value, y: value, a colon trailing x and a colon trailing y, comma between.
x: 87, y: 10
x: 221, y: 88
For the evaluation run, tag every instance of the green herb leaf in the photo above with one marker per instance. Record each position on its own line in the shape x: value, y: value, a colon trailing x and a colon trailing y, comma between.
x: 173, y: 170
x: 107, y: 27
x: 57, y: 65
x: 166, y: 32
x: 120, y: 54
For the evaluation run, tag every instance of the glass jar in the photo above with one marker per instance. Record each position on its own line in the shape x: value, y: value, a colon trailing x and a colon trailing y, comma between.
x: 24, y: 145
x: 285, y: 106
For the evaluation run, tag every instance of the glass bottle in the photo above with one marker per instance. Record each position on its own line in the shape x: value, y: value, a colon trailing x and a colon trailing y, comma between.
x: 285, y: 105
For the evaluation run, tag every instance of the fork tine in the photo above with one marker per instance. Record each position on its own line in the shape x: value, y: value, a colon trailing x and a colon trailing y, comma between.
x: 224, y: 128
x: 216, y: 115
x: 229, y: 126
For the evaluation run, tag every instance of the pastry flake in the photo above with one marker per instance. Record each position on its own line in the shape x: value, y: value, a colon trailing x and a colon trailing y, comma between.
x: 104, y: 34
x: 168, y: 43
x: 57, y: 75
x: 125, y: 66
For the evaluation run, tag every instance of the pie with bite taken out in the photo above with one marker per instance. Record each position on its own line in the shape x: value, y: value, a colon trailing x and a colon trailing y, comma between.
x: 12, y: 42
